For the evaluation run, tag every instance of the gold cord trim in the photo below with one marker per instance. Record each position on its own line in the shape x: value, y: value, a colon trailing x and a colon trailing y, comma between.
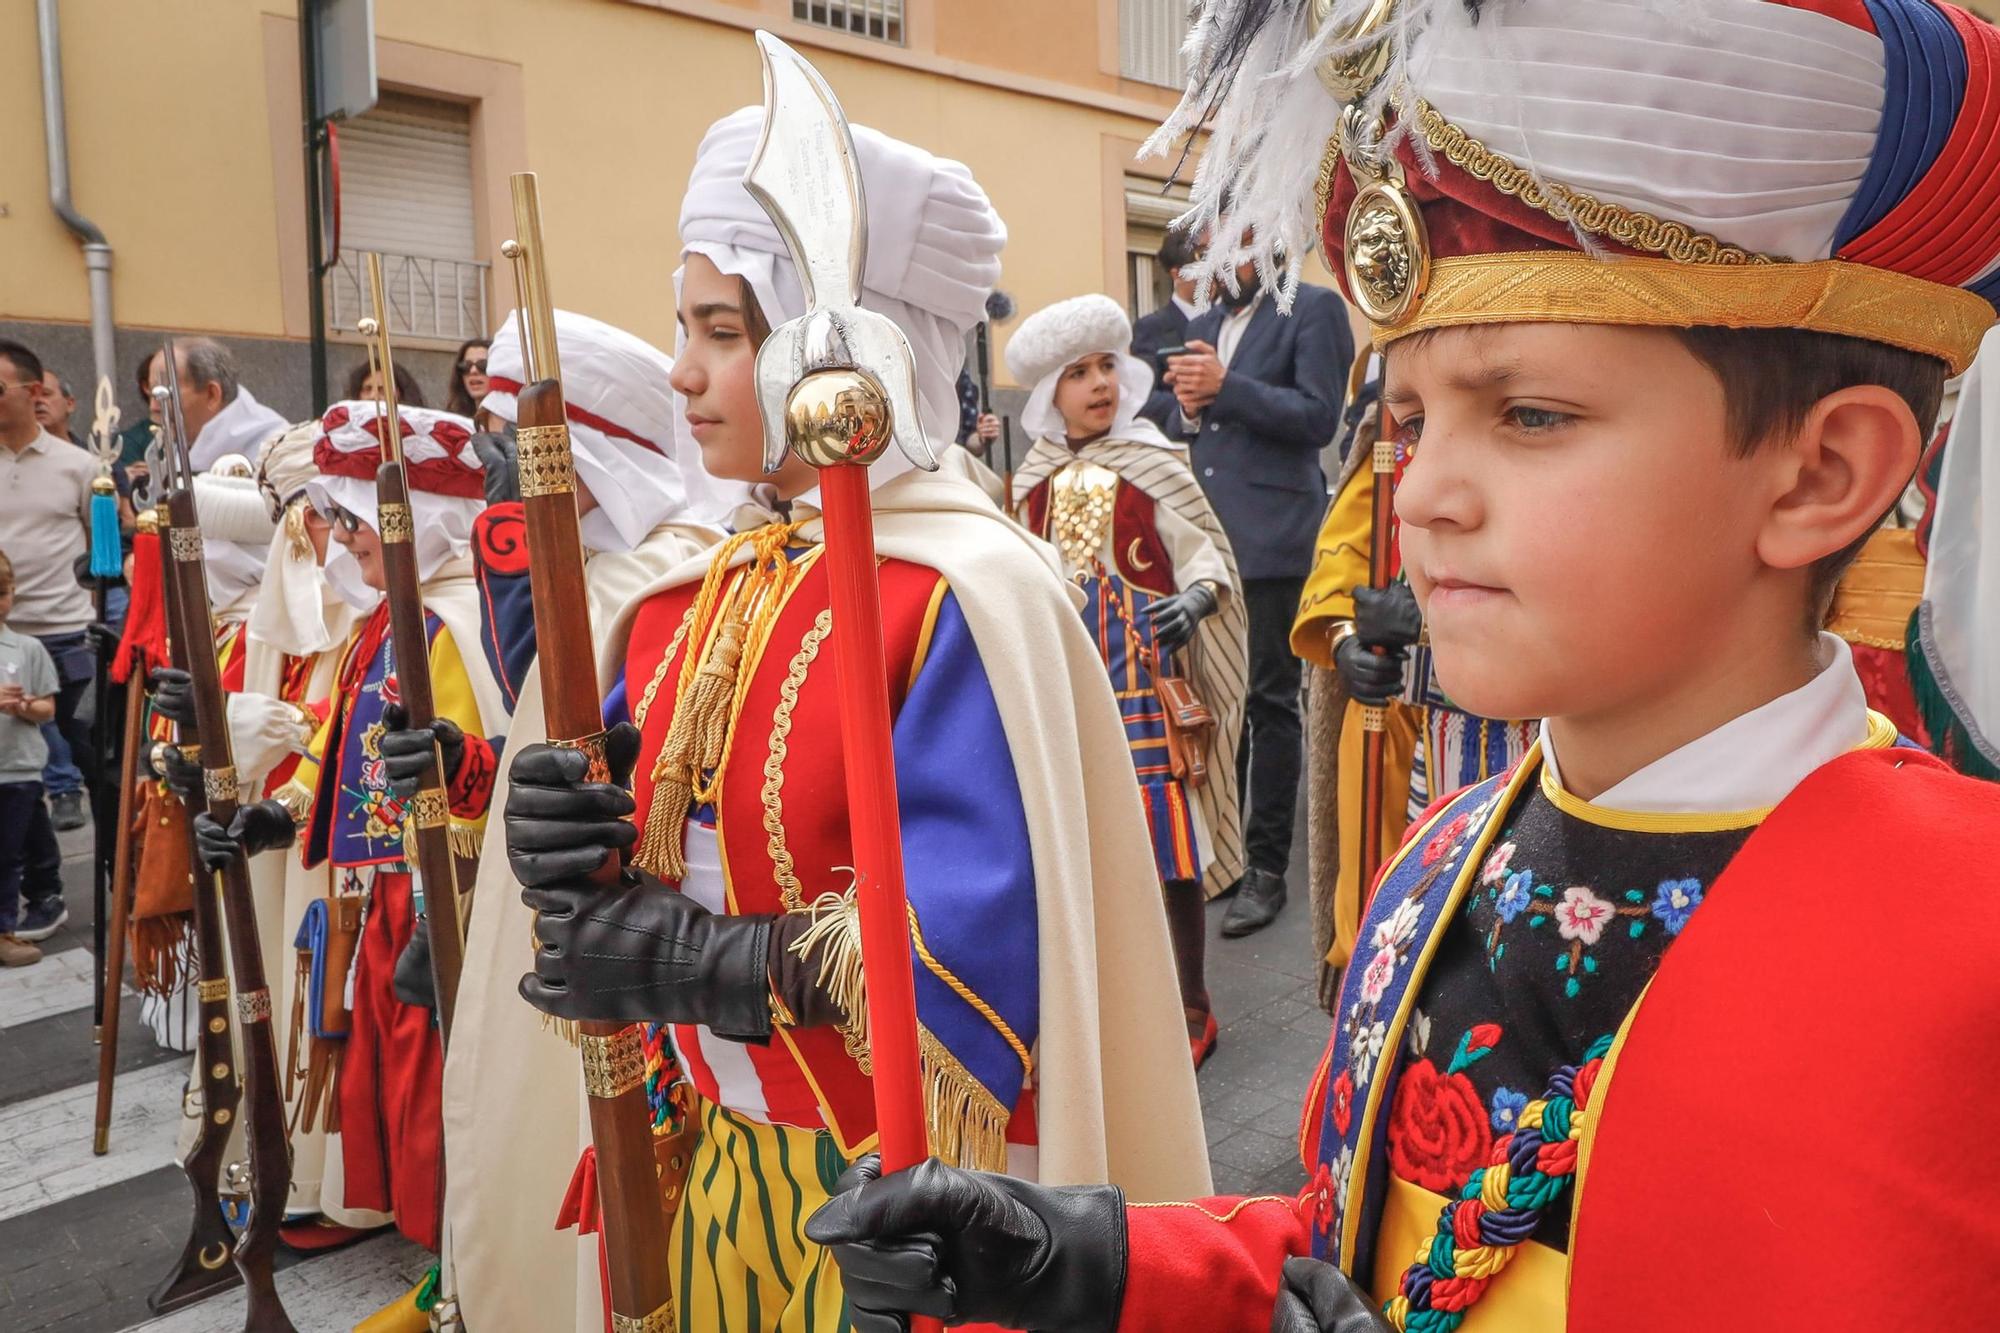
x: 835, y: 935
x: 783, y: 869
x: 1822, y: 295
x: 1627, y: 226
x: 964, y: 992
x: 660, y: 672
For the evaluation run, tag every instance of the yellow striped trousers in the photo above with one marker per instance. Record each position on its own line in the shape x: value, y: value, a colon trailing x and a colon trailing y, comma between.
x: 742, y: 1263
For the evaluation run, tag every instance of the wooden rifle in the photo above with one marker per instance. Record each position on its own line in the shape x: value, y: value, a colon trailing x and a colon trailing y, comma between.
x: 190, y: 631
x: 633, y: 1221
x: 427, y: 832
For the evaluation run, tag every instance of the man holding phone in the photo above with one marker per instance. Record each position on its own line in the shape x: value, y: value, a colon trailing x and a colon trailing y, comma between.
x: 1256, y: 394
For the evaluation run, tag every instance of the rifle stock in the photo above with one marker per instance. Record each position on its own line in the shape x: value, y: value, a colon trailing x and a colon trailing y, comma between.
x: 630, y: 1183
x: 203, y: 1267
x: 121, y: 911
x: 270, y: 1149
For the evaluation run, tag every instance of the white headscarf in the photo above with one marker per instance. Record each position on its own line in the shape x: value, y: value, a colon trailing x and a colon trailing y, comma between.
x: 933, y: 255
x: 295, y: 611
x: 443, y: 522
x: 621, y: 423
x: 1055, y: 338
x: 235, y: 529
x: 241, y: 427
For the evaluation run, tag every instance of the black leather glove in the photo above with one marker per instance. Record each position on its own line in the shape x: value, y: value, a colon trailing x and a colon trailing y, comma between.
x: 1387, y: 617
x: 173, y: 695
x: 412, y: 979
x: 1370, y: 677
x: 1315, y: 1297
x: 182, y: 776
x: 406, y: 751
x: 560, y: 827
x: 642, y: 953
x: 969, y: 1246
x: 1175, y: 618
x: 261, y: 827
x: 500, y: 463
x: 104, y: 640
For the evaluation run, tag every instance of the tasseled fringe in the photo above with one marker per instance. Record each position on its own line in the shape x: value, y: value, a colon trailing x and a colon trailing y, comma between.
x: 565, y: 1028
x: 107, y: 553
x: 1952, y: 737
x: 968, y: 1126
x: 464, y: 840
x: 162, y: 946
x: 836, y: 935
x: 694, y: 746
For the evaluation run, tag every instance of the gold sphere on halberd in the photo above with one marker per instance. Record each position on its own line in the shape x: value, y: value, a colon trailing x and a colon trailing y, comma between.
x: 838, y: 415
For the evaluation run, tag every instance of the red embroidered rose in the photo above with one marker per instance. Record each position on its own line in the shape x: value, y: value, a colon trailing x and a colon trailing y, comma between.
x: 1438, y: 1129
x: 1343, y: 1101
x: 1441, y: 841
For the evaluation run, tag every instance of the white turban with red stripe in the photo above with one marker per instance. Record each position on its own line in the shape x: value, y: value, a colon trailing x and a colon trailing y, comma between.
x: 447, y: 485
x: 621, y: 422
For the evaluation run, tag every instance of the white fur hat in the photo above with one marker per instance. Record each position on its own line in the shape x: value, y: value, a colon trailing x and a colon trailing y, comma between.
x: 1058, y: 335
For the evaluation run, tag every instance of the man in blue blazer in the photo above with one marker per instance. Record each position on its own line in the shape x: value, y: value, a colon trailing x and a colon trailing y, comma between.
x: 1256, y: 398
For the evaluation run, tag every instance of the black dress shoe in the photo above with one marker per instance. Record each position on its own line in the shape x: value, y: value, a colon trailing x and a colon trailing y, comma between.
x: 1256, y: 904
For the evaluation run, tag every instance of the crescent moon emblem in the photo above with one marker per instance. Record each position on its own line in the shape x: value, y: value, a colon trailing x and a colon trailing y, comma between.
x: 1132, y: 555
x: 221, y: 1257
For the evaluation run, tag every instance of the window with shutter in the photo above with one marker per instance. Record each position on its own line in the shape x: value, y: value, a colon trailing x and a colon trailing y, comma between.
x: 1150, y: 33
x: 406, y: 194
x: 880, y: 19
x: 1150, y: 208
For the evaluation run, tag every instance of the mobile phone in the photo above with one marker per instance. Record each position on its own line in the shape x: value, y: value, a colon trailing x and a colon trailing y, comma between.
x: 1161, y: 357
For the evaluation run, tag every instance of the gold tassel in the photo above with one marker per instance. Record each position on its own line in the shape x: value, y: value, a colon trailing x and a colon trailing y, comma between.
x: 836, y: 935
x: 464, y: 840
x: 968, y: 1126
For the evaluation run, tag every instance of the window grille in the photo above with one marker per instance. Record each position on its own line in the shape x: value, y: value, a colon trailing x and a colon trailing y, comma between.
x: 1150, y: 33
x: 879, y: 19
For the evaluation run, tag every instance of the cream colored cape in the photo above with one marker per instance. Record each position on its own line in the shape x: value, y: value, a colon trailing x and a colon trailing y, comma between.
x: 1116, y: 1091
x: 512, y: 1089
x: 1219, y: 658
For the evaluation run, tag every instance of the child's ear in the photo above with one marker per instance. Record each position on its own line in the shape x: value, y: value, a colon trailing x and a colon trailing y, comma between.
x: 1842, y: 472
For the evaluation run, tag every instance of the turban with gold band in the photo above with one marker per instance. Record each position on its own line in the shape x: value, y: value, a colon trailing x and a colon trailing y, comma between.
x: 1829, y: 165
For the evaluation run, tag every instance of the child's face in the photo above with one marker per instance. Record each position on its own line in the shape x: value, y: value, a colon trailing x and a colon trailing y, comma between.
x: 716, y: 371
x: 365, y: 544
x: 1575, y: 523
x: 6, y: 602
x: 1087, y: 395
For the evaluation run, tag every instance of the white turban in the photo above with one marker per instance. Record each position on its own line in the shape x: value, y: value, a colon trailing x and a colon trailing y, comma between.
x: 294, y: 613
x: 1055, y: 338
x: 933, y: 254
x: 235, y: 530
x: 446, y: 486
x: 285, y: 465
x: 621, y: 422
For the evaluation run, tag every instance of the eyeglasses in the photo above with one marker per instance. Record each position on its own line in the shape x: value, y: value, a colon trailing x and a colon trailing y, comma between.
x: 470, y: 367
x: 340, y: 516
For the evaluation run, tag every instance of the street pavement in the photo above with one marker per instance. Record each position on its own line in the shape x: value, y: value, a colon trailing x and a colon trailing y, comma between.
x: 83, y: 1239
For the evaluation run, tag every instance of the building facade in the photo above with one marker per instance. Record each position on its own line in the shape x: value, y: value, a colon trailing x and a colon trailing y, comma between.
x: 185, y: 148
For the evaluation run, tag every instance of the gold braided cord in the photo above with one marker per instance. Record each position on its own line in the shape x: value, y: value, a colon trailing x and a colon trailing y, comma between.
x: 783, y: 869
x: 708, y: 696
x: 660, y: 671
x: 965, y: 992
x: 1627, y: 226
x: 1823, y: 296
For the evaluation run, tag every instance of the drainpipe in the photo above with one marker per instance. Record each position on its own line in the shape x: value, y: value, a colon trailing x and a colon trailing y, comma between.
x: 96, y: 250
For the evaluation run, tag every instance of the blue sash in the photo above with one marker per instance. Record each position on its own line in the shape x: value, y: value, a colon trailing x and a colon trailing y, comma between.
x: 312, y: 939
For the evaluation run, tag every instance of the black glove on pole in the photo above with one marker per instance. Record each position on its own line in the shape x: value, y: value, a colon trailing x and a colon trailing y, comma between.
x: 260, y: 827
x: 406, y: 751
x: 412, y: 980
x: 499, y: 465
x: 559, y: 827
x: 969, y: 1246
x: 182, y: 776
x: 1315, y: 1297
x: 1387, y: 617
x: 1370, y: 677
x: 173, y: 695
x: 1176, y: 617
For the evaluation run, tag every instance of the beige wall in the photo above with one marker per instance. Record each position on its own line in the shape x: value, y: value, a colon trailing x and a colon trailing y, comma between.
x: 184, y: 140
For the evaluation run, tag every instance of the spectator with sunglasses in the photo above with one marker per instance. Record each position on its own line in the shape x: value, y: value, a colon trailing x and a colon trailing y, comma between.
x: 468, y: 377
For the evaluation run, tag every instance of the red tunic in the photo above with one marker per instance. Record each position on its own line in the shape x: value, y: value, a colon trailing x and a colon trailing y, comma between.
x: 1824, y: 1166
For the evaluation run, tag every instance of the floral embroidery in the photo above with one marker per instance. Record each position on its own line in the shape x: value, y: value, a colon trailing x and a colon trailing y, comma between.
x: 1399, y: 929
x: 1507, y: 1107
x: 1438, y: 1128
x: 1380, y: 971
x: 1674, y: 902
x: 1446, y: 838
x: 1342, y: 1097
x: 1418, y: 1037
x: 1514, y: 898
x: 1366, y: 1049
x: 1581, y: 914
x: 1496, y: 864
